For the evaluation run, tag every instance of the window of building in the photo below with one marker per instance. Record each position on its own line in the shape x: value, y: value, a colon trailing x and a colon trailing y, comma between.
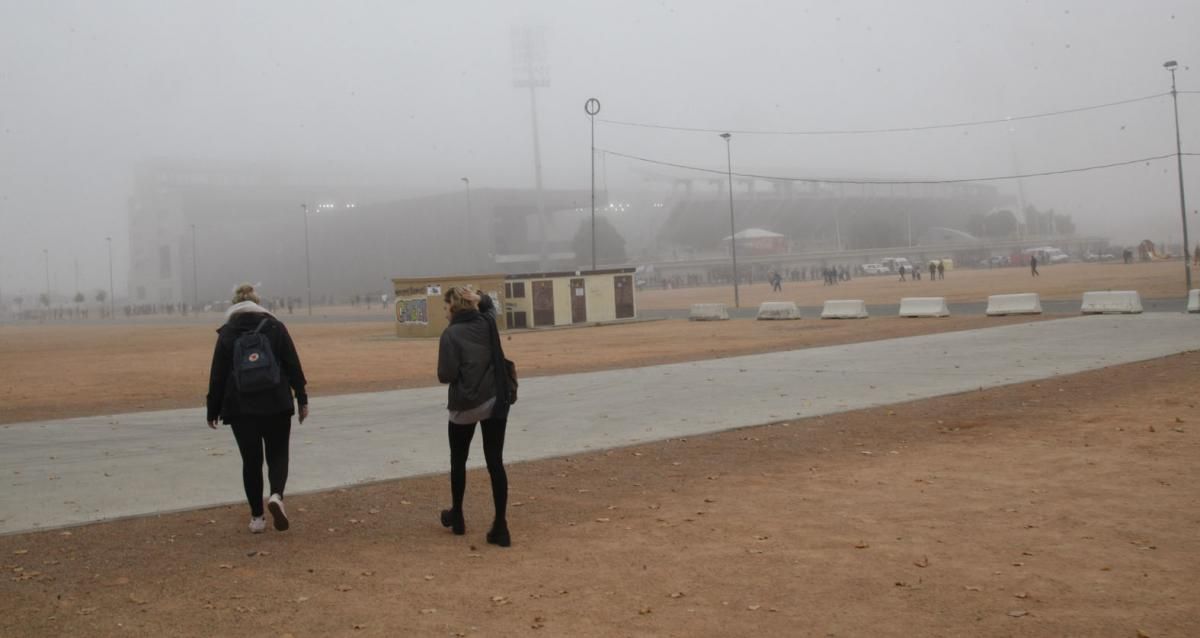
x: 515, y: 290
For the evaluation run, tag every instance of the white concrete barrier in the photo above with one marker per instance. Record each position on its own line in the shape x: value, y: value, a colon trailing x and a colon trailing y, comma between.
x: 1194, y: 300
x: 778, y: 310
x: 708, y: 312
x: 1026, y: 303
x: 924, y: 307
x: 1126, y: 302
x: 844, y: 309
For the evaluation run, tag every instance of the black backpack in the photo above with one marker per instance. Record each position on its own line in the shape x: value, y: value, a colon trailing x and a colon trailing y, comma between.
x: 255, y: 367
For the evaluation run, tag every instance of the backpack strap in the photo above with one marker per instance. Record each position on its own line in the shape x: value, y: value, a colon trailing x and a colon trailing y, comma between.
x: 260, y: 325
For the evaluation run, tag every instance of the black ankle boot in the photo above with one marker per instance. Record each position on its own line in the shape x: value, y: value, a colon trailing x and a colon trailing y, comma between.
x: 499, y: 535
x: 454, y: 520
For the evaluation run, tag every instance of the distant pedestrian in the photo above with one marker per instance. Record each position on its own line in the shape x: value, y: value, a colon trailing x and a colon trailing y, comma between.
x: 902, y: 273
x: 941, y: 269
x: 1033, y: 266
x: 255, y: 373
x: 776, y: 282
x: 916, y: 274
x: 471, y: 361
x: 932, y: 270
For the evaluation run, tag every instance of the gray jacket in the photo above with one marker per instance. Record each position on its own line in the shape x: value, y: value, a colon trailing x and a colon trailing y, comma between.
x: 465, y: 361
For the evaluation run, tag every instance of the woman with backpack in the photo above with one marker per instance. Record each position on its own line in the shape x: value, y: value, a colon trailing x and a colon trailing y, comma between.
x: 255, y: 371
x: 471, y: 360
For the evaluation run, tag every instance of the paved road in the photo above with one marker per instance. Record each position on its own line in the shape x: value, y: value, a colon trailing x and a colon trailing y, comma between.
x: 78, y: 470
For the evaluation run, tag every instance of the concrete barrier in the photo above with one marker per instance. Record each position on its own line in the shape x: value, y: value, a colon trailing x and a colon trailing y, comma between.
x: 778, y: 310
x: 924, y: 307
x: 1026, y: 303
x: 708, y: 312
x: 1194, y: 300
x: 1125, y: 302
x: 844, y: 309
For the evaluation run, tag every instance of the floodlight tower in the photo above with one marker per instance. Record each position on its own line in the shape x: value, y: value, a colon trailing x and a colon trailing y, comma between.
x: 531, y: 71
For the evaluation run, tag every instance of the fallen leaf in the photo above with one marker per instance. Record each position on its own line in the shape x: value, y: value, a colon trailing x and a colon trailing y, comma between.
x: 136, y: 600
x: 1017, y: 613
x: 861, y: 545
x: 21, y: 552
x: 429, y: 611
x: 923, y: 563
x: 753, y: 607
x: 677, y: 594
x: 973, y: 588
x: 1021, y: 595
x: 645, y: 611
x: 343, y: 588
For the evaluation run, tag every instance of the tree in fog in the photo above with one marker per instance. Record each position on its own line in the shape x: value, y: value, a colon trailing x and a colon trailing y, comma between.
x: 45, y: 299
x: 610, y: 245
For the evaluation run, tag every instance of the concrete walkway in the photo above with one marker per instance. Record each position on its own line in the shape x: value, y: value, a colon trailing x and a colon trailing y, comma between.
x: 73, y: 471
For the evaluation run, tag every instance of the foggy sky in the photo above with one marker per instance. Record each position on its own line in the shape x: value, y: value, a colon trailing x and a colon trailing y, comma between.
x: 415, y: 95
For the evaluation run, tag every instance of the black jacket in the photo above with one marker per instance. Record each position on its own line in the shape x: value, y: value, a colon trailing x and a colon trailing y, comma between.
x: 465, y: 361
x: 223, y: 398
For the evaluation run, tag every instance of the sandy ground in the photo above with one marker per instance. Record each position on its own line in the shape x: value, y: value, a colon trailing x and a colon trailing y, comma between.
x: 62, y: 370
x: 1063, y: 507
x: 1153, y: 280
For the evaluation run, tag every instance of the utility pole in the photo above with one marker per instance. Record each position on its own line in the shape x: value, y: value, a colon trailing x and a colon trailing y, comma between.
x: 732, y: 227
x: 307, y: 265
x: 1187, y: 263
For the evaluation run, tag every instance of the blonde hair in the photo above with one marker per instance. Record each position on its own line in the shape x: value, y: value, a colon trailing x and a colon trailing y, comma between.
x: 461, y: 298
x: 245, y: 292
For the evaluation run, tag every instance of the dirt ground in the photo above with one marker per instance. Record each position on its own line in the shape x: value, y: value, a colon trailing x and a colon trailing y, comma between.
x: 63, y: 370
x: 1064, y: 507
x: 1153, y: 280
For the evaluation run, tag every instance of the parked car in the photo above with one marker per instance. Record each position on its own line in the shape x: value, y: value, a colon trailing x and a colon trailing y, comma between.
x: 875, y: 269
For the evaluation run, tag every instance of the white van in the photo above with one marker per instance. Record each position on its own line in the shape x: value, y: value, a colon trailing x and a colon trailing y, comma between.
x: 893, y: 264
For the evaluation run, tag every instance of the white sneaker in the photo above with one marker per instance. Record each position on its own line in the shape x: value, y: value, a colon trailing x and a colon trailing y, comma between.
x: 278, y: 514
x: 258, y: 524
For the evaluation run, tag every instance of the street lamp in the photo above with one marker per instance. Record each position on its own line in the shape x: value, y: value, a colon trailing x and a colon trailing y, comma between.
x: 1187, y: 264
x: 111, y: 301
x: 307, y: 265
x: 732, y: 229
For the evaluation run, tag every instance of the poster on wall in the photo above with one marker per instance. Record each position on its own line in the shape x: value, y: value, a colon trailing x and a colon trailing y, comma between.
x: 433, y: 291
x: 412, y: 310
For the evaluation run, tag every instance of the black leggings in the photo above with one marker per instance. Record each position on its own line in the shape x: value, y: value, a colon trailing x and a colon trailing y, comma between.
x: 253, y: 434
x: 493, y: 453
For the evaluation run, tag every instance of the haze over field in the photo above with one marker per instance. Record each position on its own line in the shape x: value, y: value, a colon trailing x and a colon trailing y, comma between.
x: 407, y: 98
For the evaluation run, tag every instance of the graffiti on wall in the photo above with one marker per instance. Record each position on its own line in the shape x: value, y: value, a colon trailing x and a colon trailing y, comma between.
x: 412, y: 310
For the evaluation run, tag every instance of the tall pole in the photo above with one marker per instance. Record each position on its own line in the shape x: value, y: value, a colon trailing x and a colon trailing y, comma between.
x: 195, y: 287
x: 111, y: 302
x: 1187, y: 264
x: 470, y: 228
x: 307, y: 265
x: 732, y: 229
x: 592, y: 107
x: 46, y: 254
x: 531, y: 71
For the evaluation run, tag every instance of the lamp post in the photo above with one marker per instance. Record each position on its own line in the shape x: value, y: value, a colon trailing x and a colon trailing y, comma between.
x: 195, y: 288
x: 732, y: 228
x: 470, y: 230
x: 592, y: 107
x: 307, y: 264
x: 1187, y: 264
x: 111, y: 301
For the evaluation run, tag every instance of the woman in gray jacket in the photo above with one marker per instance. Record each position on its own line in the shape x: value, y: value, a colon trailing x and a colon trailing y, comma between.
x: 470, y: 360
